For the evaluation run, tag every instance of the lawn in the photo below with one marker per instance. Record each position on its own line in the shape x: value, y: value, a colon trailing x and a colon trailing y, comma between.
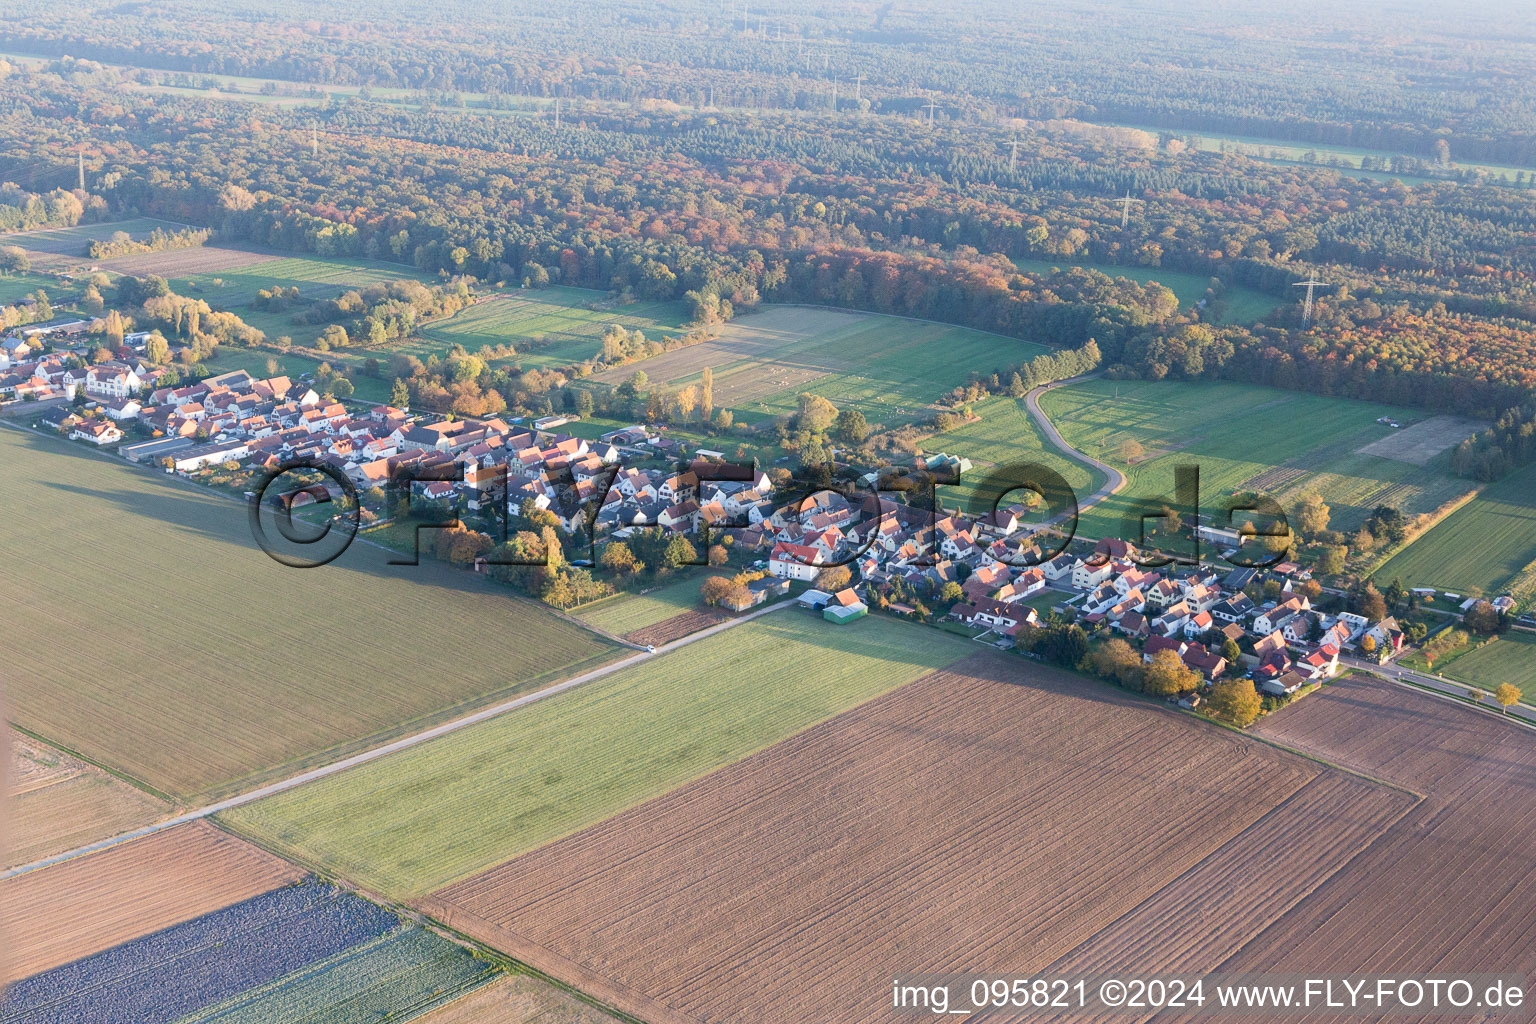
x: 1244, y: 305
x: 146, y: 631
x: 1507, y: 659
x: 627, y: 612
x: 1489, y: 544
x: 1003, y: 434
x: 407, y: 824
x: 550, y: 327
x: 1243, y: 437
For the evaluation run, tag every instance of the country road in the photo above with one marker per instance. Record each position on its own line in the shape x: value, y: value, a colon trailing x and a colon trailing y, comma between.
x: 1521, y: 714
x: 405, y: 743
x: 1114, y: 480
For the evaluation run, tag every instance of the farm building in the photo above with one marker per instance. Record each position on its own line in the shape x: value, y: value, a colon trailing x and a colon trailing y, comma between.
x: 844, y: 606
x: 148, y: 451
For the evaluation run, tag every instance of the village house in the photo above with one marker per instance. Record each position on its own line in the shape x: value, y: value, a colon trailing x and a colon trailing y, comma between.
x: 97, y: 432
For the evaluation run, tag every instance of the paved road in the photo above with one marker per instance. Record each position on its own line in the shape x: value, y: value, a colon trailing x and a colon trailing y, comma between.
x: 1520, y: 714
x: 396, y: 746
x: 1114, y: 479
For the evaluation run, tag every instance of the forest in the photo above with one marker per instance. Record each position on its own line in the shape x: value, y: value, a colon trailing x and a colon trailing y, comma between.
x: 650, y: 185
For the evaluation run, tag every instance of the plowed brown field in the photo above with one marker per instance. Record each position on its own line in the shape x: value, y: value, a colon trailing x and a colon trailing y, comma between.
x: 677, y: 627
x: 520, y: 999
x: 58, y: 803
x: 61, y: 913
x: 994, y: 816
x: 1451, y: 886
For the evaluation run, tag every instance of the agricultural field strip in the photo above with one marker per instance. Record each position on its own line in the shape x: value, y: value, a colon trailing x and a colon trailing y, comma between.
x: 519, y: 999
x: 1489, y: 543
x: 446, y: 811
x: 409, y: 970
x: 79, y: 908
x: 160, y: 977
x: 1416, y: 896
x: 1217, y: 426
x: 68, y: 810
x: 763, y: 360
x: 626, y: 612
x: 1194, y: 923
x: 144, y: 718
x: 596, y: 899
x: 404, y: 743
x: 1451, y: 693
x: 1507, y: 659
x: 72, y: 241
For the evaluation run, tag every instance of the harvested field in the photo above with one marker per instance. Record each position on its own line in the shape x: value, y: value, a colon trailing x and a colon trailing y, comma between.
x: 58, y: 803
x: 265, y: 672
x: 677, y: 627
x: 206, y: 259
x: 1421, y: 442
x: 520, y: 999
x: 1448, y: 888
x: 61, y: 913
x: 993, y: 813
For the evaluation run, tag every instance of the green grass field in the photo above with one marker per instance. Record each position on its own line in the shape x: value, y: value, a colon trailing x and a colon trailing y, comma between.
x: 316, y: 278
x: 19, y: 286
x: 889, y: 368
x: 630, y: 611
x: 1506, y: 659
x: 408, y: 824
x: 73, y: 241
x: 1244, y: 305
x: 1003, y: 434
x: 147, y: 631
x: 549, y: 327
x: 1243, y: 437
x: 1489, y: 543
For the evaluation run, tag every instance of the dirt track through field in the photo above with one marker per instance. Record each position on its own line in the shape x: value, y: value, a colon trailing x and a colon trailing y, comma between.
x: 995, y: 815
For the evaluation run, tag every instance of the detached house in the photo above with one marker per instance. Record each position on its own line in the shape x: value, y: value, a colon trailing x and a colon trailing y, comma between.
x: 112, y: 381
x: 97, y: 432
x: 794, y: 561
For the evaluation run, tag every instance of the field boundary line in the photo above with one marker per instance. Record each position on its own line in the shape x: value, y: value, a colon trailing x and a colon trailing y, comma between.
x: 116, y: 773
x: 395, y: 746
